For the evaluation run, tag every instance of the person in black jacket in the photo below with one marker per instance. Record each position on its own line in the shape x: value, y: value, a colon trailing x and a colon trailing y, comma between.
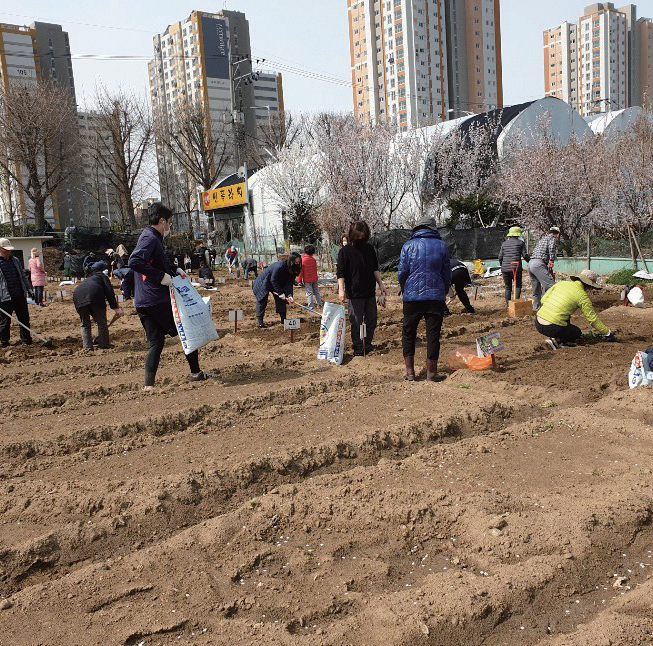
x: 154, y: 273
x: 206, y: 274
x: 512, y: 251
x: 460, y: 279
x: 358, y: 275
x: 90, y: 300
x: 278, y: 279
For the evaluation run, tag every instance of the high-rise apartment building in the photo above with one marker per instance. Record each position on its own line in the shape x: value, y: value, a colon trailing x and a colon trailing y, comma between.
x: 601, y: 63
x: 31, y: 54
x: 418, y: 62
x: 100, y: 205
x: 206, y: 59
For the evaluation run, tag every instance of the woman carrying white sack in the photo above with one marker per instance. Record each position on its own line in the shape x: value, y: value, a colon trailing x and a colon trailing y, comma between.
x: 154, y: 274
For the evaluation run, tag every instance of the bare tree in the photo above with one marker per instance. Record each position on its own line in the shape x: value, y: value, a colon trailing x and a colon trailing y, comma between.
x: 554, y: 184
x: 459, y: 166
x: 354, y: 155
x: 39, y: 147
x: 295, y: 182
x: 127, y: 121
x: 199, y: 146
x: 627, y: 195
x: 7, y: 196
x: 276, y: 131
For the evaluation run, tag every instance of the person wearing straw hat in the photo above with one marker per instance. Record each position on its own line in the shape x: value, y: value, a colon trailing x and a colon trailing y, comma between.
x: 512, y: 251
x: 560, y: 302
x: 13, y: 291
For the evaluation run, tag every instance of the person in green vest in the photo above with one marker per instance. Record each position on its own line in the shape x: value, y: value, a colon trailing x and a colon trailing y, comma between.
x: 560, y: 302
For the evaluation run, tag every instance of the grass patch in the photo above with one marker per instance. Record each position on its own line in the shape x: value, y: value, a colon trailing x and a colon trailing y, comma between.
x: 624, y: 277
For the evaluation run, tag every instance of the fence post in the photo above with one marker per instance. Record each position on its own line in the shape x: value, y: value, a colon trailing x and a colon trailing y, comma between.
x: 589, y: 251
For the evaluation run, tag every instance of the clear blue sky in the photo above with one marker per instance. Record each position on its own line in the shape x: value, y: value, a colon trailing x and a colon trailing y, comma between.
x: 309, y: 35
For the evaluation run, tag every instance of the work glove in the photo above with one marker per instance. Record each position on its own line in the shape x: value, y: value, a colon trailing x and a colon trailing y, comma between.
x: 381, y: 300
x: 610, y: 337
x: 550, y: 266
x: 166, y: 281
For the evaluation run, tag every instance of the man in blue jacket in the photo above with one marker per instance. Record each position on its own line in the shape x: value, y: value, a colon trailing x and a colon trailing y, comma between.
x: 152, y: 280
x: 425, y: 279
x: 278, y: 279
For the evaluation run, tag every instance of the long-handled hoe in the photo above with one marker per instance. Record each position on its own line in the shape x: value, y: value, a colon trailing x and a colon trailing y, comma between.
x: 46, y: 343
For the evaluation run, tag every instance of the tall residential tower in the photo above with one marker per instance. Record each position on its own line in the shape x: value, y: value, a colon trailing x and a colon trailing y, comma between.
x: 423, y: 61
x: 207, y: 59
x: 40, y: 52
x: 601, y: 63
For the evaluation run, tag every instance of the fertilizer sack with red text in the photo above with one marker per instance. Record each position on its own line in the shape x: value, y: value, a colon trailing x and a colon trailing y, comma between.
x: 192, y: 316
x: 332, y: 333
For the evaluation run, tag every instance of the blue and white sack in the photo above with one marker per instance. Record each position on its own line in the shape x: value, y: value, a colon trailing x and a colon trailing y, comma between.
x: 192, y: 316
x: 641, y: 371
x: 332, y: 333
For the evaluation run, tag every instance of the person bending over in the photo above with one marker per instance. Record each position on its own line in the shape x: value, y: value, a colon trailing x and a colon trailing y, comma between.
x: 154, y: 273
x: 90, y: 300
x: 560, y: 302
x: 460, y: 279
x: 278, y: 279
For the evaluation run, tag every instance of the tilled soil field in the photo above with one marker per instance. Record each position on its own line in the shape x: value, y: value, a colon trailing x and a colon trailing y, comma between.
x: 290, y: 502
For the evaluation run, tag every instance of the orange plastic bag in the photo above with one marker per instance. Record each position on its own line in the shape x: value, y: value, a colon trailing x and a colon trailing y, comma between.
x: 466, y: 359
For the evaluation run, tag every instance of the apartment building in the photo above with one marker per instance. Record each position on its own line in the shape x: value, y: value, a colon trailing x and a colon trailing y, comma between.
x: 100, y: 204
x: 419, y: 62
x: 31, y: 54
x: 268, y: 97
x: 601, y: 62
x: 207, y: 59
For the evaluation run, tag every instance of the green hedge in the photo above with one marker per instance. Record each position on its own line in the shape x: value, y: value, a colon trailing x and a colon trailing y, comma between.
x: 623, y: 277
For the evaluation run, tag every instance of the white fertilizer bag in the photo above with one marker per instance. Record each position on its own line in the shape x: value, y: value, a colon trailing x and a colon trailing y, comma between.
x: 192, y: 316
x: 640, y: 373
x: 636, y: 297
x: 332, y: 333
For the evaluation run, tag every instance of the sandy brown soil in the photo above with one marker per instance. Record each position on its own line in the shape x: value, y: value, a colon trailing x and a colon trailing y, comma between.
x: 291, y: 502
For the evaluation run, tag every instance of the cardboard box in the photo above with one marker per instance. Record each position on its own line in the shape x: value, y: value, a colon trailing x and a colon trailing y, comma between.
x: 521, y: 308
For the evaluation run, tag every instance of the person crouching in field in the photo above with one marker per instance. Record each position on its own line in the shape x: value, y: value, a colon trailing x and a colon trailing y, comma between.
x: 90, y: 300
x: 560, y: 302
x: 278, y: 279
x: 425, y: 279
x: 309, y: 277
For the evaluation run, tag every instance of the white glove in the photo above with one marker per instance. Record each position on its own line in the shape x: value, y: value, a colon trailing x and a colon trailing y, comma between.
x: 166, y: 281
x: 181, y: 272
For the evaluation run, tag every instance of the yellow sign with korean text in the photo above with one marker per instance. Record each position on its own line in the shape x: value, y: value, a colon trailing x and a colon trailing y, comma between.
x: 220, y: 198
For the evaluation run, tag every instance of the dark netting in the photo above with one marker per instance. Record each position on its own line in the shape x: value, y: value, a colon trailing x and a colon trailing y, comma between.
x: 464, y: 244
x: 77, y: 265
x: 388, y: 246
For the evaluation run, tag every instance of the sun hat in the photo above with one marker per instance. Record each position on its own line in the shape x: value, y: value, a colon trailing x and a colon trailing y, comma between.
x: 588, y: 277
x: 6, y: 244
x: 515, y: 232
x: 554, y: 230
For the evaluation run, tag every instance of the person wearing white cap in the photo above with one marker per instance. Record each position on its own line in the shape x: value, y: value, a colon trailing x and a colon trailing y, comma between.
x: 560, y: 302
x: 540, y: 266
x: 13, y: 294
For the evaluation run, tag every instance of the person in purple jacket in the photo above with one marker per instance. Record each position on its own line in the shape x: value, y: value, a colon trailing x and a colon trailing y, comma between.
x: 425, y: 279
x: 152, y: 280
